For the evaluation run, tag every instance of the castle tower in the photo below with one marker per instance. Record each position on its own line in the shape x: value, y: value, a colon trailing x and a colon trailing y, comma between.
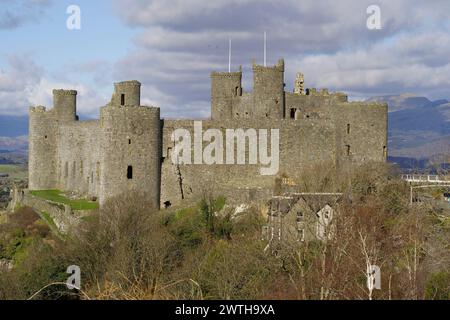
x: 42, y: 149
x: 127, y: 93
x: 130, y: 147
x: 268, y: 90
x: 299, y: 84
x: 225, y: 86
x: 65, y: 105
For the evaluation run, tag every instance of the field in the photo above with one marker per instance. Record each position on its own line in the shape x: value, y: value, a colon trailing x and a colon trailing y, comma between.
x: 59, y: 197
x: 16, y: 172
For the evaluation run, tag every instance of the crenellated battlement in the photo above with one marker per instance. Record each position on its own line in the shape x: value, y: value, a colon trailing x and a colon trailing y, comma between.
x: 279, y: 67
x: 38, y: 109
x: 128, y: 83
x: 64, y: 92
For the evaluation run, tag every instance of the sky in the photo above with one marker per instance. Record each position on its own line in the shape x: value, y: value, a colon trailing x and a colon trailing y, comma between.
x: 171, y: 46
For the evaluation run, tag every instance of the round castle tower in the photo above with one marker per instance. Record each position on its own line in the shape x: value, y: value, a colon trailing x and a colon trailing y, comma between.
x: 43, y: 131
x: 65, y: 105
x: 127, y: 93
x: 131, y: 146
x: 41, y: 149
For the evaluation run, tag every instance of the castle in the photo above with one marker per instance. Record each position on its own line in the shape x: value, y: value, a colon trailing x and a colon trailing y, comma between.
x: 129, y: 148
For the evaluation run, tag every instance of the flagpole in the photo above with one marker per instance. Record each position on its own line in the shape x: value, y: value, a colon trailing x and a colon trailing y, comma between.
x: 229, y: 55
x: 265, y: 49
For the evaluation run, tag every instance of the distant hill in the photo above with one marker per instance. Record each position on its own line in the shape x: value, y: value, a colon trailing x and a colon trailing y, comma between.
x: 418, y: 127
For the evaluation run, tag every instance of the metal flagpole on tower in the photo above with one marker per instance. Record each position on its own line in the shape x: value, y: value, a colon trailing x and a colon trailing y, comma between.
x: 229, y: 55
x: 265, y: 49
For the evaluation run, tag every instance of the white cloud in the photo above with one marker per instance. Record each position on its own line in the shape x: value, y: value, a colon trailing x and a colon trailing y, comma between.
x: 180, y: 42
x: 15, y: 13
x: 24, y: 83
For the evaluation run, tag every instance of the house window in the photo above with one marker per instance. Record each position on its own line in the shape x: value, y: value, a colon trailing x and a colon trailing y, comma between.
x: 348, y: 128
x: 122, y: 99
x: 130, y: 172
x: 347, y: 150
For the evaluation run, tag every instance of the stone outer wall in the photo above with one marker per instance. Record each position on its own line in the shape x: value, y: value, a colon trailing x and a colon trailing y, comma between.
x: 62, y: 215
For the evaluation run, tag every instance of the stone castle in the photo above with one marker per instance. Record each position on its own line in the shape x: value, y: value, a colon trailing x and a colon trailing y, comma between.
x: 129, y: 148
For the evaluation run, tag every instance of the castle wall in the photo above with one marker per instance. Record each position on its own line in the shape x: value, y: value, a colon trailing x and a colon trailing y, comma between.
x: 79, y: 157
x: 361, y: 132
x: 303, y: 144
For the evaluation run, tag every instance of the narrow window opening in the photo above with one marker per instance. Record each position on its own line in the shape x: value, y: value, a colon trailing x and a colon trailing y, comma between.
x: 384, y: 151
x: 66, y: 170
x: 129, y: 141
x: 74, y: 168
x: 45, y: 137
x: 97, y: 170
x: 348, y: 150
x: 293, y: 113
x: 348, y: 128
x: 122, y: 99
x: 236, y: 91
x: 130, y: 172
x: 92, y: 176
